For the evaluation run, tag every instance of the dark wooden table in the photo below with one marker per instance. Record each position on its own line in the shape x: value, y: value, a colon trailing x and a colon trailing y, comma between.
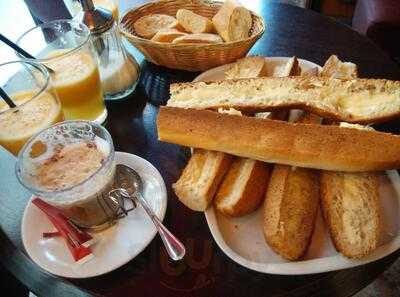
x: 205, y: 271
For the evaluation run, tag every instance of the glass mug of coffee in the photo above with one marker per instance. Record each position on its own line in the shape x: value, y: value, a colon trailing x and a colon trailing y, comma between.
x: 71, y: 166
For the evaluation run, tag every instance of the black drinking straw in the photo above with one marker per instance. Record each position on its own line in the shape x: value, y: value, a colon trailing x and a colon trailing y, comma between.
x: 7, y: 99
x: 15, y: 47
x: 20, y: 50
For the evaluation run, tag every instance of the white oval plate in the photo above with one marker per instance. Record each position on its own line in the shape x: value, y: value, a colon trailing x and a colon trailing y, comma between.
x: 115, y: 246
x: 242, y: 239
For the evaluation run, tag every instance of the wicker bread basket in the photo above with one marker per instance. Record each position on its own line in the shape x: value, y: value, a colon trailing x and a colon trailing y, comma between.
x: 191, y: 57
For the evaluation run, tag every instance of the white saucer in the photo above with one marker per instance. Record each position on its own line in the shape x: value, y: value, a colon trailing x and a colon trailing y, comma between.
x: 115, y: 246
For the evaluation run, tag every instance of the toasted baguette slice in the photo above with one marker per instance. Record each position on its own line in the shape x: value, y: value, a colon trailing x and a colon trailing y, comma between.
x: 337, y: 69
x: 303, y: 145
x: 167, y: 35
x: 201, y: 177
x: 350, y: 204
x: 291, y: 68
x: 255, y: 66
x: 355, y: 100
x: 193, y: 22
x: 310, y: 72
x: 198, y: 38
x: 232, y: 22
x: 252, y: 66
x: 147, y: 26
x: 290, y: 208
x: 350, y: 201
x: 243, y: 187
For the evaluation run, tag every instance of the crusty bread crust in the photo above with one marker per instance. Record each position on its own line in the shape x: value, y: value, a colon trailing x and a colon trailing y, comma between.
x: 350, y: 204
x: 147, y: 26
x: 304, y: 145
x: 240, y: 195
x: 350, y: 201
x: 198, y: 38
x: 193, y: 22
x: 292, y: 68
x: 167, y: 35
x: 201, y: 177
x: 243, y: 188
x: 352, y: 100
x: 333, y: 67
x: 250, y: 66
x: 290, y: 208
x: 232, y: 22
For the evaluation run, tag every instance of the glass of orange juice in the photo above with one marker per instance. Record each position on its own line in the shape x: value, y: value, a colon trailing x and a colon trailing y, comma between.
x: 65, y: 47
x: 37, y: 106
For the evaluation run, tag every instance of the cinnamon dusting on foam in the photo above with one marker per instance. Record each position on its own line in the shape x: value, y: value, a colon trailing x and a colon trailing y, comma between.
x: 69, y: 166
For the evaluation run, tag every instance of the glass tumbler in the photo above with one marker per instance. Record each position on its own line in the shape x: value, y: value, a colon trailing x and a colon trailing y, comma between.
x: 37, y: 106
x: 71, y: 166
x: 65, y: 47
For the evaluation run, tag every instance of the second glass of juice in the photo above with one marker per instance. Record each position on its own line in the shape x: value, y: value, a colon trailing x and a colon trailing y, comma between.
x: 64, y: 46
x: 37, y: 105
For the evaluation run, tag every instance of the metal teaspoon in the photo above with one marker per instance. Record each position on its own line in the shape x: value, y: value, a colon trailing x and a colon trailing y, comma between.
x: 175, y: 249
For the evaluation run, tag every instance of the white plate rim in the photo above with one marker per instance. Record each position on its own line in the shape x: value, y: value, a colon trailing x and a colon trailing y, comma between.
x: 164, y: 199
x: 306, y: 266
x: 303, y: 267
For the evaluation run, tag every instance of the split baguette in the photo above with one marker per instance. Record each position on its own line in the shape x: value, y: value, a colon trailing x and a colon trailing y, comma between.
x: 201, y: 177
x: 255, y: 66
x: 252, y: 66
x: 291, y: 206
x: 233, y: 21
x: 243, y: 188
x: 203, y: 173
x: 335, y: 68
x: 351, y: 209
x: 193, y: 22
x: 312, y: 146
x: 290, y: 209
x: 354, y: 100
x: 291, y: 68
x: 291, y: 201
x: 350, y: 201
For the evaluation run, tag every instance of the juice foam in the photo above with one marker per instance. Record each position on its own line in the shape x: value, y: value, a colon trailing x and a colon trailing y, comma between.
x: 32, y: 116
